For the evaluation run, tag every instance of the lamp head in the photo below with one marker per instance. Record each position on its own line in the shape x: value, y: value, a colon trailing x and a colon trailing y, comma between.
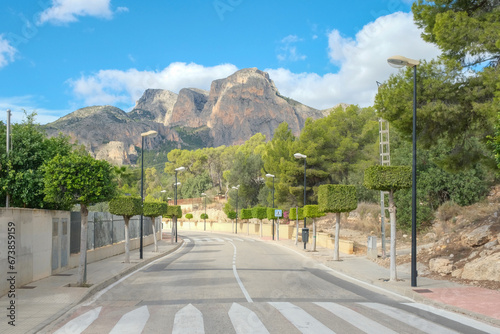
x: 180, y: 169
x: 269, y: 175
x: 203, y: 194
x: 400, y: 61
x: 299, y: 156
x: 151, y: 133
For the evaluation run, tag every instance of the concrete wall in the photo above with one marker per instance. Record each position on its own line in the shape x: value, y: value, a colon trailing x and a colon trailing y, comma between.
x: 41, y: 249
x: 253, y: 228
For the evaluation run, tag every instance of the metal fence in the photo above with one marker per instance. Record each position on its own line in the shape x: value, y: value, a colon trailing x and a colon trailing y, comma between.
x: 106, y: 229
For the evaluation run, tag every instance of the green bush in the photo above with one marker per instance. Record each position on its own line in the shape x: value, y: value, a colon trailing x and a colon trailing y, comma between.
x: 125, y: 206
x: 203, y: 216
x: 259, y: 212
x: 387, y: 178
x: 174, y: 210
x: 337, y: 198
x: 293, y: 214
x: 312, y: 211
x: 246, y: 214
x: 154, y: 209
x: 270, y: 213
x: 189, y: 216
x: 231, y: 215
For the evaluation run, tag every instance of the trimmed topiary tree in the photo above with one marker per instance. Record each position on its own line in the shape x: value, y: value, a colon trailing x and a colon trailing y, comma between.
x: 174, y: 212
x: 127, y: 207
x: 189, y: 216
x: 153, y: 210
x: 312, y: 211
x: 270, y: 216
x: 260, y: 213
x: 203, y: 216
x: 389, y: 178
x: 293, y: 216
x: 337, y: 198
x: 247, y: 214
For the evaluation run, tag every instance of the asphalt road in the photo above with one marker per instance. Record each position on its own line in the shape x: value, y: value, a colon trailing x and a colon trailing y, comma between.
x: 229, y: 284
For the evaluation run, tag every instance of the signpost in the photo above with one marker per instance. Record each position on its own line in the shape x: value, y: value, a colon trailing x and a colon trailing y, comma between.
x: 278, y: 213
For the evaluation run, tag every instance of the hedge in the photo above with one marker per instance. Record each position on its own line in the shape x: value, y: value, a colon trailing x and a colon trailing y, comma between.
x: 125, y: 206
x: 174, y: 210
x: 270, y: 213
x: 387, y: 178
x: 337, y: 198
x: 231, y: 215
x: 293, y: 214
x: 246, y: 214
x: 312, y: 211
x: 259, y: 212
x: 203, y: 216
x: 154, y: 209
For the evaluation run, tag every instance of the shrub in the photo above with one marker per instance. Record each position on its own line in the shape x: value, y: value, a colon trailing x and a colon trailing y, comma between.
x: 337, y: 198
x: 246, y: 214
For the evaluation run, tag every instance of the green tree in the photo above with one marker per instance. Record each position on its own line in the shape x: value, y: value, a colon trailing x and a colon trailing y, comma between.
x: 259, y: 213
x: 312, y: 211
x: 153, y: 210
x: 79, y: 179
x: 189, y: 216
x: 127, y: 207
x: 21, y: 174
x: 337, y: 198
x: 391, y: 179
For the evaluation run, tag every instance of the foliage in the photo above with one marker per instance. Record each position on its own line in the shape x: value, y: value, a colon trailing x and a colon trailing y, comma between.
x: 78, y: 179
x: 195, y: 185
x: 203, y: 216
x: 21, y: 173
x: 246, y: 214
x: 337, y: 198
x: 174, y: 210
x: 293, y: 213
x: 312, y: 211
x: 125, y: 206
x: 388, y: 178
x: 189, y: 216
x: 154, y: 209
x: 270, y: 213
x: 259, y: 212
x: 232, y: 215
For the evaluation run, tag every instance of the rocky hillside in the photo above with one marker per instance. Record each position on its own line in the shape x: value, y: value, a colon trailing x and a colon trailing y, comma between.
x: 235, y: 108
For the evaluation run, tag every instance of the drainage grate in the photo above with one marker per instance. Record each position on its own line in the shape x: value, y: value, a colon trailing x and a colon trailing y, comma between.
x: 422, y: 290
x: 62, y: 275
x: 27, y: 287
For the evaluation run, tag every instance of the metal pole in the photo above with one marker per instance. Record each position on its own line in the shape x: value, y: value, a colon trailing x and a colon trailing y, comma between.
x: 205, y: 220
x: 273, y: 206
x: 142, y: 189
x: 175, y: 203
x: 8, y: 147
x: 414, y: 186
x: 236, y: 231
x: 304, y: 189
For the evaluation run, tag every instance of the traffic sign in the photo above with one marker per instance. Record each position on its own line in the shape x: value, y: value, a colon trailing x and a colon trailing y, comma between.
x: 278, y: 213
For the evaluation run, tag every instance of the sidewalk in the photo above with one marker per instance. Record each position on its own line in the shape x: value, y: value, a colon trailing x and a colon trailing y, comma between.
x: 43, y: 301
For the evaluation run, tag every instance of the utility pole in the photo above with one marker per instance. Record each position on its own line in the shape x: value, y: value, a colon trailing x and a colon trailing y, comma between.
x: 7, y: 198
x: 385, y: 160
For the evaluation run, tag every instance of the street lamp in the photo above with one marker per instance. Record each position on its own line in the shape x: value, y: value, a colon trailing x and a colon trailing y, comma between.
x: 302, y: 156
x: 151, y: 133
x: 398, y: 62
x: 205, y: 219
x: 271, y: 175
x: 236, y: 188
x: 178, y: 169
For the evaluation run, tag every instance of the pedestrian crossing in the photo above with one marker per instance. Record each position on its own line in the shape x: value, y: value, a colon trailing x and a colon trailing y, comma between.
x: 209, y: 240
x: 272, y: 317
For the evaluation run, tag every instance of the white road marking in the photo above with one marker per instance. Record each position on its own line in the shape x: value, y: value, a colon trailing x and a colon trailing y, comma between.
x: 219, y: 239
x: 132, y: 322
x: 228, y: 239
x: 302, y: 320
x: 242, y: 287
x: 187, y: 240
x: 80, y: 323
x: 197, y: 239
x: 208, y: 240
x: 245, y: 321
x: 238, y: 239
x: 409, y: 319
x: 188, y: 320
x: 356, y: 319
x: 457, y: 317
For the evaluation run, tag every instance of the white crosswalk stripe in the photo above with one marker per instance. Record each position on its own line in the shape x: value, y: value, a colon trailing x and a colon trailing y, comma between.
x: 190, y: 318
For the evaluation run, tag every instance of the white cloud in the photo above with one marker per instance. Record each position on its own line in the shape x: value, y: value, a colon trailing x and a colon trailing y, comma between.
x: 19, y: 104
x: 287, y: 51
x: 66, y: 11
x: 362, y: 62
x: 7, y: 52
x: 126, y: 87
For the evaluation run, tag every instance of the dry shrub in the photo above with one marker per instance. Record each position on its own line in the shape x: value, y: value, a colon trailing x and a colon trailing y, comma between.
x: 365, y: 218
x: 448, y: 211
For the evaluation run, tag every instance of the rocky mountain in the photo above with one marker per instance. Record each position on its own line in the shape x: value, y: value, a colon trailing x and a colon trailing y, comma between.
x: 237, y: 107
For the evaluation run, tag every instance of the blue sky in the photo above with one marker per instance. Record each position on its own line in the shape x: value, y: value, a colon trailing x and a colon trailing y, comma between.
x: 60, y: 55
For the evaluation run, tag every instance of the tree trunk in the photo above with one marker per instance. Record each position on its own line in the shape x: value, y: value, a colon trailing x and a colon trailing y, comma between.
x: 127, y: 240
x: 297, y: 228
x: 82, y: 268
x: 392, y: 215
x: 337, y: 236
x: 261, y: 228
x: 314, y: 234
x: 154, y: 233
x: 172, y: 233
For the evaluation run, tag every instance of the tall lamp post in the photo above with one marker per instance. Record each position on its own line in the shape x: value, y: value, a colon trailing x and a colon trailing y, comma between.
x: 398, y: 62
x: 271, y: 175
x: 178, y: 169
x: 236, y: 188
x: 204, y: 219
x: 143, y: 135
x: 302, y: 156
